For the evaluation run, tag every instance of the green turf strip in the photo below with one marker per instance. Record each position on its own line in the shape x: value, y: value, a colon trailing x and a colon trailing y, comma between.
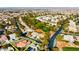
x: 70, y: 49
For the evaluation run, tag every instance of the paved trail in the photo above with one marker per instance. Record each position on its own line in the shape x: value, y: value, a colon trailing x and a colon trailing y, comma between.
x: 27, y: 28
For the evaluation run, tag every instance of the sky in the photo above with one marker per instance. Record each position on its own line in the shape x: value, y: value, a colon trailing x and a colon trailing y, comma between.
x: 39, y: 3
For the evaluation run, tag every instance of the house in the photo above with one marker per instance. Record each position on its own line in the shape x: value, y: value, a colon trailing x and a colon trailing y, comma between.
x: 4, y: 37
x: 41, y: 35
x: 77, y: 38
x: 34, y: 35
x: 10, y: 49
x: 34, y: 47
x: 53, y: 22
x: 38, y: 31
x: 48, y: 19
x: 12, y: 36
x: 72, y: 26
x: 7, y: 26
x: 69, y: 38
x: 23, y: 43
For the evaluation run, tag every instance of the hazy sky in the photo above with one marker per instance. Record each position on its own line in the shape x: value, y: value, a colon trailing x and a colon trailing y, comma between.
x: 39, y: 3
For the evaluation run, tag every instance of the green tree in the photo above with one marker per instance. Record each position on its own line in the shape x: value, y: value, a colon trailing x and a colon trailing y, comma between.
x: 40, y: 25
x: 1, y: 26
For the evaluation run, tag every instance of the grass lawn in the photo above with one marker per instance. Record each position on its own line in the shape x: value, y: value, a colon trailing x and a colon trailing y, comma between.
x: 70, y: 49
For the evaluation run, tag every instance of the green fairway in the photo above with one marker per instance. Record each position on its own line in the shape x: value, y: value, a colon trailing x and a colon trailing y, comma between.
x: 70, y: 49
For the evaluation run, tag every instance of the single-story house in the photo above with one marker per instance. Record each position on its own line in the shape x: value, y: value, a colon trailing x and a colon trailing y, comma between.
x: 77, y: 38
x: 72, y: 26
x: 69, y: 38
x: 12, y: 36
x: 4, y: 37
